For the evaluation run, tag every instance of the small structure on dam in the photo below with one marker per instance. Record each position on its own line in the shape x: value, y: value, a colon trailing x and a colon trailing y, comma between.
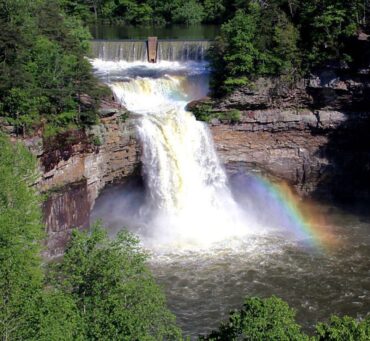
x: 152, y: 49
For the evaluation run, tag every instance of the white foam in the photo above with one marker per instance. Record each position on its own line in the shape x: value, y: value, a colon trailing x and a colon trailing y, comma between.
x: 189, y: 204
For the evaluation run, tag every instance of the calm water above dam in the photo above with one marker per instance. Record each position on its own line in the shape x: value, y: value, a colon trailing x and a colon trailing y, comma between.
x: 215, y: 238
x: 180, y: 32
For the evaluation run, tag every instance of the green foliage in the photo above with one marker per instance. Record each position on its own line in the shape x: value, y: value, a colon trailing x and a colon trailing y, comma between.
x: 234, y: 116
x: 260, y: 319
x: 259, y: 42
x: 283, y: 38
x: 345, y: 328
x: 190, y: 12
x: 55, y: 317
x: 43, y: 70
x: 20, y: 233
x: 205, y: 112
x: 96, y: 141
x: 113, y: 289
x: 214, y: 11
x: 202, y: 112
x: 26, y: 311
x: 127, y: 10
x: 326, y: 26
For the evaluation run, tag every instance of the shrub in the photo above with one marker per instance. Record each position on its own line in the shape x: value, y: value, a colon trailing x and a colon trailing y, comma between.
x: 260, y: 319
x: 113, y: 289
x: 343, y: 328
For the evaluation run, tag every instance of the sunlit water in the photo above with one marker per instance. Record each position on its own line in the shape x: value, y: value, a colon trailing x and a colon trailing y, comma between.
x: 215, y: 239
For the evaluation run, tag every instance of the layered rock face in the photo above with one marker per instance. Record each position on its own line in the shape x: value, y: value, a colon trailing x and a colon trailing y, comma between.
x: 313, y: 136
x: 322, y: 154
x: 76, y: 166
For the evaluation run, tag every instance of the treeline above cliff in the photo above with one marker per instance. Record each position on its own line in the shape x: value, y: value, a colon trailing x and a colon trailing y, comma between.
x: 44, y: 76
x: 288, y: 39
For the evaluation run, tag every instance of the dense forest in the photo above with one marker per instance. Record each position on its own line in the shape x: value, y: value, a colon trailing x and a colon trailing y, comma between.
x: 102, y: 289
x: 44, y: 76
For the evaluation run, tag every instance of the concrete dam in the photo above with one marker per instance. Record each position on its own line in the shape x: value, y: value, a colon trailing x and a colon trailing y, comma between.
x: 151, y: 50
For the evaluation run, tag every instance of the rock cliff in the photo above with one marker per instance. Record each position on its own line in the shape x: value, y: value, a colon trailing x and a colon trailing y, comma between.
x: 75, y: 166
x: 313, y: 135
x: 325, y: 154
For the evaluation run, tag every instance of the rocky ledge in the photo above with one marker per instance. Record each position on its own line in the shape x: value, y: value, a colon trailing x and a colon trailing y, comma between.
x: 76, y: 165
x: 313, y: 135
x: 321, y: 153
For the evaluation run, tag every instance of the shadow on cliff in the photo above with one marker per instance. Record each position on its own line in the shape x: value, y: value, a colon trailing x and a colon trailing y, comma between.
x: 347, y: 177
x: 346, y: 180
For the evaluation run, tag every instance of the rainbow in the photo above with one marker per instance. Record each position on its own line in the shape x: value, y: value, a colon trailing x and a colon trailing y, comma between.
x: 303, y: 219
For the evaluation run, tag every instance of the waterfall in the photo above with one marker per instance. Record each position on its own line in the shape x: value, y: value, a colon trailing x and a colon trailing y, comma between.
x: 167, y: 50
x: 130, y: 50
x: 188, y: 200
x: 182, y: 50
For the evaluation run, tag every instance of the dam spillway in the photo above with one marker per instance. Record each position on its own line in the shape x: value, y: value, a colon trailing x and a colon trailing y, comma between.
x: 137, y: 50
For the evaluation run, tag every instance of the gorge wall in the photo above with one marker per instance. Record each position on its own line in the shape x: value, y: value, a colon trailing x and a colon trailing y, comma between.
x: 323, y: 154
x: 76, y: 166
x: 313, y: 135
x: 321, y: 149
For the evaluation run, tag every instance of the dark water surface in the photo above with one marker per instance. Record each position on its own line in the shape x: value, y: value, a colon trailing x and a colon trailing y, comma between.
x: 181, y: 32
x: 202, y: 287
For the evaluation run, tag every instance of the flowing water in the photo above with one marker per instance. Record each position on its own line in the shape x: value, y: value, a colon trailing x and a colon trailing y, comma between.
x: 216, y: 238
x: 135, y: 50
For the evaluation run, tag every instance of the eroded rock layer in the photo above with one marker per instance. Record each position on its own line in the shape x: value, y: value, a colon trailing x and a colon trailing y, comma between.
x: 75, y: 166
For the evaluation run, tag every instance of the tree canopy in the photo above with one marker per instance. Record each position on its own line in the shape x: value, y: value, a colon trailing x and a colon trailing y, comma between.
x: 114, y: 291
x: 285, y: 38
x: 43, y: 70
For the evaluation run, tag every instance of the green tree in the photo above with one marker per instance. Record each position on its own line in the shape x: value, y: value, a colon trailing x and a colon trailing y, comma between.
x: 214, y: 10
x: 260, y: 319
x: 130, y: 11
x: 20, y: 234
x: 259, y: 42
x: 44, y: 71
x: 326, y: 27
x: 343, y: 328
x: 235, y: 58
x: 113, y: 289
x: 55, y: 317
x: 27, y: 312
x: 190, y: 12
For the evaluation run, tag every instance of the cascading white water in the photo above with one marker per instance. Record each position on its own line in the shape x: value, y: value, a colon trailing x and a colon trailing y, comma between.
x: 189, y: 202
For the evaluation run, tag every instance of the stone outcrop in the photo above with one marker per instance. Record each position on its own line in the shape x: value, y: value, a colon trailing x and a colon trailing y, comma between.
x: 327, y: 89
x: 313, y: 135
x: 285, y: 145
x: 75, y: 166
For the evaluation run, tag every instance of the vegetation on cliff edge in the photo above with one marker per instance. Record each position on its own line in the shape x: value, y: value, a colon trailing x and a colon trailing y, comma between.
x: 285, y: 38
